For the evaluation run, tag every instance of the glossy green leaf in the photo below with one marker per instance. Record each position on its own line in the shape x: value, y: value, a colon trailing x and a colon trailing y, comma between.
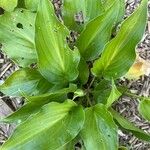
x: 57, y: 62
x: 97, y: 33
x: 125, y: 124
x: 111, y: 65
x: 53, y: 127
x: 8, y: 5
x: 27, y: 81
x: 36, y: 102
x: 17, y: 36
x: 144, y: 109
x: 83, y: 71
x: 114, y: 95
x: 99, y: 131
x: 31, y: 4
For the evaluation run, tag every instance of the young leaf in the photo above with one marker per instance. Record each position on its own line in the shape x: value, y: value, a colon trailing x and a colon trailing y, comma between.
x: 8, y: 5
x: 111, y: 64
x: 125, y: 124
x: 144, y: 109
x: 97, y: 33
x: 17, y: 36
x: 99, y: 131
x: 26, y: 81
x: 114, y: 95
x: 53, y: 127
x: 57, y: 62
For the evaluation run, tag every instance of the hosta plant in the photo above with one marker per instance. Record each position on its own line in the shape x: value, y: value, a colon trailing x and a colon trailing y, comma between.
x: 70, y: 64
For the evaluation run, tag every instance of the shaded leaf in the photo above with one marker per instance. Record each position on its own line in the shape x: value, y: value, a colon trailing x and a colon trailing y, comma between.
x: 125, y: 124
x: 97, y: 33
x: 17, y: 36
x: 26, y: 81
x: 106, y: 92
x: 53, y: 127
x: 111, y: 65
x: 102, y: 91
x: 8, y: 5
x: 144, y: 109
x: 57, y: 62
x: 99, y: 131
x: 83, y: 71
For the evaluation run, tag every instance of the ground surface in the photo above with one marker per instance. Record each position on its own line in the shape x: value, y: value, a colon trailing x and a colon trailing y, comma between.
x: 126, y: 106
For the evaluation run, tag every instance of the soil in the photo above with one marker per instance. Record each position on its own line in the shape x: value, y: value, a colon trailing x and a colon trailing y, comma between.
x: 126, y: 105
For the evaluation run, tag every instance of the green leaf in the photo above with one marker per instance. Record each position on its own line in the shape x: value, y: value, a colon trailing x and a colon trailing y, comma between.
x: 123, y: 148
x: 102, y: 91
x: 111, y: 65
x: 27, y: 81
x: 36, y: 102
x: 121, y: 10
x: 106, y: 92
x: 114, y: 95
x: 144, y: 109
x: 99, y: 131
x: 70, y: 145
x: 17, y: 36
x: 21, y: 4
x: 53, y: 127
x: 71, y: 10
x: 97, y: 33
x: 76, y: 14
x: 57, y: 62
x: 83, y: 71
x: 31, y: 4
x: 8, y: 5
x: 125, y: 124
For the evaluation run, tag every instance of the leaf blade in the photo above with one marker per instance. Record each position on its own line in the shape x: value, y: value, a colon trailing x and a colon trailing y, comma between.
x: 144, y: 108
x: 38, y: 136
x: 17, y: 34
x: 110, y: 64
x: 27, y: 81
x: 99, y: 124
x: 57, y: 62
x: 125, y: 124
x: 8, y: 5
x: 97, y: 33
